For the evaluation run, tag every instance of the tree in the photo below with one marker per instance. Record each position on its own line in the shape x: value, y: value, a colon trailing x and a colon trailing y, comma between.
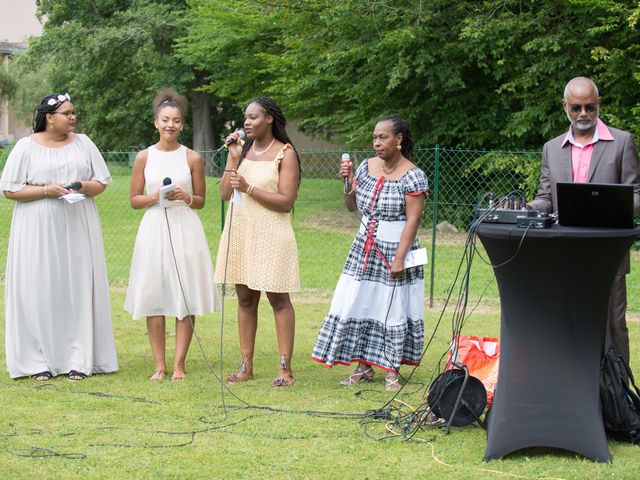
x: 112, y: 56
x: 476, y: 74
x: 8, y: 85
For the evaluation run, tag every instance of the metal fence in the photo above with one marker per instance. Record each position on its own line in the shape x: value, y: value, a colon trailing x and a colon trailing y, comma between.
x: 324, y: 228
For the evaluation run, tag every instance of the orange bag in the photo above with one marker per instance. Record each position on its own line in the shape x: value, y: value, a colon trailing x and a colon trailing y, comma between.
x: 481, y: 355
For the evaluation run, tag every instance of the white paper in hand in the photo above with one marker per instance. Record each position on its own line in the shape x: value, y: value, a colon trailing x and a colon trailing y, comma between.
x: 73, y: 197
x: 237, y: 197
x: 415, y: 258
x: 163, y: 201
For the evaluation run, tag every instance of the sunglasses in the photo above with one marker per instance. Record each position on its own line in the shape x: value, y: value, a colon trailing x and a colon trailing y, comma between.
x: 588, y: 108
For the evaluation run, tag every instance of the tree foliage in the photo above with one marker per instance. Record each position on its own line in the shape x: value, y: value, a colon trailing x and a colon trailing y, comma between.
x: 8, y: 85
x: 112, y: 56
x: 470, y: 73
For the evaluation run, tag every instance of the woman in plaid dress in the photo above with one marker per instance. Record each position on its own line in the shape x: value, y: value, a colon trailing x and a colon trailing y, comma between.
x: 376, y: 316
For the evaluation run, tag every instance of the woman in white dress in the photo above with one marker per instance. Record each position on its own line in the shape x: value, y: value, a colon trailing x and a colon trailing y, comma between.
x: 57, y: 312
x: 171, y: 269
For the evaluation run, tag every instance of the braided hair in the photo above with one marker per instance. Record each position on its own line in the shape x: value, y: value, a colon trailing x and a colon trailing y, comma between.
x: 167, y: 97
x: 272, y: 109
x: 400, y: 125
x: 49, y: 104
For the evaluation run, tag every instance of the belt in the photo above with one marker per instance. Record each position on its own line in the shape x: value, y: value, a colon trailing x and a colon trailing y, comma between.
x: 382, y: 230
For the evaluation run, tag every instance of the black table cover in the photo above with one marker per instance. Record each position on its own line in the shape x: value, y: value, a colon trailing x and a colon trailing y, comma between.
x: 554, y: 295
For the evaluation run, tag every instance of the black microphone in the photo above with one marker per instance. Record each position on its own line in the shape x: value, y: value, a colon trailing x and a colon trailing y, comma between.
x: 345, y: 158
x: 74, y: 186
x: 166, y: 181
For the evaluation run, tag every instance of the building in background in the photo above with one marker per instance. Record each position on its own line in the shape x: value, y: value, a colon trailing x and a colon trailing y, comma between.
x: 18, y: 22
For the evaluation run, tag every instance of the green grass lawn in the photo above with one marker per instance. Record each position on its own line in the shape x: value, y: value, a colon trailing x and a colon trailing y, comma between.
x: 144, y: 429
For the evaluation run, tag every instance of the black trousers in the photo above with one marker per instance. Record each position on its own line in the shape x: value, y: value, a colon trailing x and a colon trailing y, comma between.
x: 617, y: 332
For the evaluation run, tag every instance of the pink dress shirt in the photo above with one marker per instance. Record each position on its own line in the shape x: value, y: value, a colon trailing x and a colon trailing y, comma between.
x: 581, y: 154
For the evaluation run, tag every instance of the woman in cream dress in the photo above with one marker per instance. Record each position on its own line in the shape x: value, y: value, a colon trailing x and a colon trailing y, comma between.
x: 171, y: 269
x: 57, y: 312
x: 258, y: 249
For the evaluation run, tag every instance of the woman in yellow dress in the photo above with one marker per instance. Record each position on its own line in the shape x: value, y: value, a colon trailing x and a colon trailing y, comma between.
x: 258, y: 250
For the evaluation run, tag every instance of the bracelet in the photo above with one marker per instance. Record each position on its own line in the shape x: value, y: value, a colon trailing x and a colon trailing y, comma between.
x: 46, y: 194
x: 230, y: 170
x: 190, y: 201
x: 250, y: 189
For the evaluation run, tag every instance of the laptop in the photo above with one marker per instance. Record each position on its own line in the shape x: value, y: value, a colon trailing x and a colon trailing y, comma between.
x: 595, y: 205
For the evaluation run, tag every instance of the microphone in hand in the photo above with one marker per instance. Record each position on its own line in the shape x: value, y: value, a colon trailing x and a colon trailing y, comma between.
x: 74, y: 186
x: 346, y: 158
x: 167, y: 186
x: 241, y: 136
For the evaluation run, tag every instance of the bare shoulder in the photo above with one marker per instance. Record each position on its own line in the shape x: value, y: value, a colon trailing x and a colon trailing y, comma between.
x: 141, y: 158
x: 289, y: 156
x: 193, y: 157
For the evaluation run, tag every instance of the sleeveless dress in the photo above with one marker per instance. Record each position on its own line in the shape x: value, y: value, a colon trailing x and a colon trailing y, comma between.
x: 57, y: 311
x: 155, y: 286
x: 373, y: 318
x: 262, y: 251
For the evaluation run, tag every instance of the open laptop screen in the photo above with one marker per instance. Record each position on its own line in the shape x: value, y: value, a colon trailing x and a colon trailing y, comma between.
x: 595, y: 205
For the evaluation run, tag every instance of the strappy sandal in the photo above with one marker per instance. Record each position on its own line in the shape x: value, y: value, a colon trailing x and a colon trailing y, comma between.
x: 158, y: 375
x: 42, y: 376
x: 392, y: 383
x: 359, y: 376
x: 283, y: 381
x: 75, y: 376
x: 239, y: 376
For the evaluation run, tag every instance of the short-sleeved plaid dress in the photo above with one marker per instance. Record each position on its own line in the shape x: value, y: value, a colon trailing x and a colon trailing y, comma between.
x: 376, y: 319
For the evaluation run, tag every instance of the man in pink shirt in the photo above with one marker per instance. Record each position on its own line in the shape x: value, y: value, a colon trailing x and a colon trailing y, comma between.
x: 592, y: 152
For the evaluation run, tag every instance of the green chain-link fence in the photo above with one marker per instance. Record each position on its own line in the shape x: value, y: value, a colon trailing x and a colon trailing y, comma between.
x: 324, y: 228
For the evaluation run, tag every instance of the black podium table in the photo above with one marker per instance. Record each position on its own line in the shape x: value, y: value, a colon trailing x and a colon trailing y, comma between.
x: 554, y: 292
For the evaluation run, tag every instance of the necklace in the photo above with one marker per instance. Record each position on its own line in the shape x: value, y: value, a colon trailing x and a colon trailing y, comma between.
x: 391, y: 170
x: 259, y: 154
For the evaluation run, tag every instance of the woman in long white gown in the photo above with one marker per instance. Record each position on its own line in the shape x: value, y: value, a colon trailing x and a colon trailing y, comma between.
x: 57, y: 312
x: 171, y: 269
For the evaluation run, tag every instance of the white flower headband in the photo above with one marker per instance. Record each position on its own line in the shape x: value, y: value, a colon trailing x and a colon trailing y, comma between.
x: 59, y: 99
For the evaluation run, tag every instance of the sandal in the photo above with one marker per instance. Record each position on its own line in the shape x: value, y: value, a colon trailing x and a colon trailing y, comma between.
x: 282, y: 382
x: 178, y: 375
x: 42, y: 376
x: 75, y: 376
x: 285, y: 379
x: 240, y: 376
x: 358, y: 376
x: 392, y: 383
x: 158, y: 375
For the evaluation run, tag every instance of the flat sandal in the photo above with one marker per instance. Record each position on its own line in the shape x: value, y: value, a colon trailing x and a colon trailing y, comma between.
x: 365, y: 375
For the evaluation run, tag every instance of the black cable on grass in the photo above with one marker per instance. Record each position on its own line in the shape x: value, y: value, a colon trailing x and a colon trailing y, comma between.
x: 393, y: 416
x: 40, y: 452
x: 248, y: 405
x: 410, y: 423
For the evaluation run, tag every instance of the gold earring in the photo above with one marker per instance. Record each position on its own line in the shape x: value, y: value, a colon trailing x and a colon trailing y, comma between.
x: 399, y: 147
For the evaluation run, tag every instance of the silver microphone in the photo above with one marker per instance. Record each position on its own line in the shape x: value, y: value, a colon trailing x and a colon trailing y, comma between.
x: 241, y: 136
x: 345, y: 157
